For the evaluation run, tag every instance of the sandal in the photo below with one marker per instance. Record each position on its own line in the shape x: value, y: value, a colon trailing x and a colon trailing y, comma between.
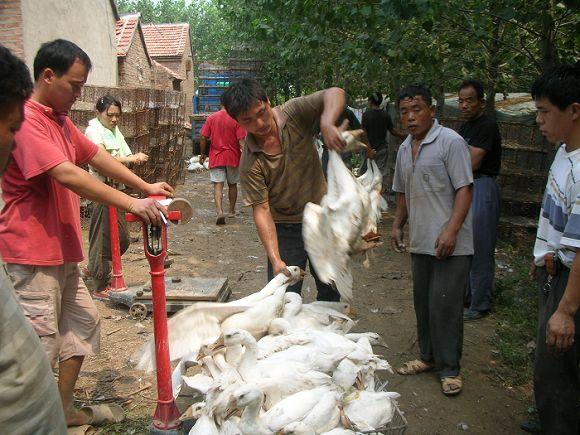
x: 104, y: 414
x: 451, y: 385
x: 221, y: 220
x: 414, y: 367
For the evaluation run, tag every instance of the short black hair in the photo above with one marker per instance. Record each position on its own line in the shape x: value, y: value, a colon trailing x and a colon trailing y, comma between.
x: 106, y: 101
x: 376, y: 98
x: 412, y: 91
x: 242, y: 95
x: 475, y: 84
x: 15, y: 82
x: 59, y: 55
x: 560, y: 85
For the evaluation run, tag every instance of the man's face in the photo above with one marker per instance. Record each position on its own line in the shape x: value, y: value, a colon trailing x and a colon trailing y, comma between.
x: 110, y: 117
x: 555, y: 124
x: 416, y: 116
x: 258, y: 120
x: 63, y: 91
x: 469, y: 105
x: 10, y: 122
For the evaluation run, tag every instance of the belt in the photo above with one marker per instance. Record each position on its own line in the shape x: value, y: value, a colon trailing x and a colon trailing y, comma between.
x: 476, y: 176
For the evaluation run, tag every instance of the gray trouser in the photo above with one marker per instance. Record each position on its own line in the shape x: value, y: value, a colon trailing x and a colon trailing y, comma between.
x: 100, y: 244
x: 485, y: 209
x: 556, y: 374
x: 438, y: 289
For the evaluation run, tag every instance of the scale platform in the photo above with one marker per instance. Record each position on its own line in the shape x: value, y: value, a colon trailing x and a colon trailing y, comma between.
x: 180, y: 292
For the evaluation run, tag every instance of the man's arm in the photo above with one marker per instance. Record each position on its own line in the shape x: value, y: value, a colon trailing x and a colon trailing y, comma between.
x: 398, y: 223
x: 445, y: 243
x: 334, y: 101
x: 560, y: 330
x: 267, y: 233
x: 477, y: 155
x: 111, y: 168
x: 87, y: 186
x: 202, y: 148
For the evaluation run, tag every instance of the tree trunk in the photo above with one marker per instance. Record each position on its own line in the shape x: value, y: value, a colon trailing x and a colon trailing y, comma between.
x: 493, y: 68
x: 548, y: 39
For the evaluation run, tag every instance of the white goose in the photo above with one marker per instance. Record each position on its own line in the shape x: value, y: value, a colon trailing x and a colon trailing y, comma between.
x: 295, y: 408
x: 333, y: 229
x: 369, y: 410
x: 277, y: 378
x: 201, y: 323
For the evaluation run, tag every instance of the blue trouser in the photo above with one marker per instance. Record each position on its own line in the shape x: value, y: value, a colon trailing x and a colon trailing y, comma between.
x: 485, y: 209
x: 292, y: 252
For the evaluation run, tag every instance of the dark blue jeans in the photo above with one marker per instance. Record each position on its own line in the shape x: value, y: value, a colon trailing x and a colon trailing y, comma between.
x: 292, y: 252
x: 485, y: 209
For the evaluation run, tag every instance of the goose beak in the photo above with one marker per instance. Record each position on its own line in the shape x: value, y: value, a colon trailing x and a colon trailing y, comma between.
x: 218, y: 345
x: 346, y: 423
x: 232, y: 408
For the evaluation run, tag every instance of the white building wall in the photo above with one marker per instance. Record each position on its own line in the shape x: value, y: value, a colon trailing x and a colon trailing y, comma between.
x: 88, y: 23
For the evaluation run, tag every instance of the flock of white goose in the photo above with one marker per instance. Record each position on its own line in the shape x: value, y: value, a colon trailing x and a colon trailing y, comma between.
x: 270, y: 364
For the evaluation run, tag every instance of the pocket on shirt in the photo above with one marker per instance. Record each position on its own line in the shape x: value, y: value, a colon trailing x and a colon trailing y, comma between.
x: 433, y: 177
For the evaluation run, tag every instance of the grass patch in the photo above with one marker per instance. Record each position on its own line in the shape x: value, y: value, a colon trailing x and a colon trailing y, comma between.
x: 131, y: 426
x: 516, y: 310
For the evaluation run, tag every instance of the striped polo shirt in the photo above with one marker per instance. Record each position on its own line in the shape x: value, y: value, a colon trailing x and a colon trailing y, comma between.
x: 291, y: 179
x: 559, y: 223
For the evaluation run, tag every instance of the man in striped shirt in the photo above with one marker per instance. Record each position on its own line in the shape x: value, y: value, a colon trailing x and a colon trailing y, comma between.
x: 556, y: 376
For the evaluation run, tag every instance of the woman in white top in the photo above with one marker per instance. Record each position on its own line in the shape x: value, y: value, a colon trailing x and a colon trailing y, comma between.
x: 104, y: 131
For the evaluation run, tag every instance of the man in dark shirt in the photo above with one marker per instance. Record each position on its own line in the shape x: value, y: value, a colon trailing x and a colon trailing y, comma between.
x: 482, y: 134
x: 376, y: 122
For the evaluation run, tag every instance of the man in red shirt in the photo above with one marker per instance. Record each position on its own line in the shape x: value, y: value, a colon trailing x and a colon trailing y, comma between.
x: 224, y: 158
x: 40, y: 232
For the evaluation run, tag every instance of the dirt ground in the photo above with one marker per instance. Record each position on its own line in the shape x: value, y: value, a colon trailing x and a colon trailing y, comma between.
x: 383, y: 303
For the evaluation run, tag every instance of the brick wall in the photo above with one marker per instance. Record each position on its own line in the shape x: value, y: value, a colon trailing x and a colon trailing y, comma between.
x: 11, y: 26
x: 161, y: 78
x: 134, y: 68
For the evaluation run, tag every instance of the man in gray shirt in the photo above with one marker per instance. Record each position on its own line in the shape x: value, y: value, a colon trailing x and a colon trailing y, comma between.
x: 433, y: 180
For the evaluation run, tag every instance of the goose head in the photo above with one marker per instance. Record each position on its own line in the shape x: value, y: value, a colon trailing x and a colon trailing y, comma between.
x: 247, y: 396
x: 295, y: 275
x: 354, y: 140
x: 232, y: 337
x: 193, y: 412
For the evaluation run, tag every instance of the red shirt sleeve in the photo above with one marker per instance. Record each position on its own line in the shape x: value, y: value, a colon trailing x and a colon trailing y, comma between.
x: 85, y: 148
x: 34, y: 152
x: 206, y: 127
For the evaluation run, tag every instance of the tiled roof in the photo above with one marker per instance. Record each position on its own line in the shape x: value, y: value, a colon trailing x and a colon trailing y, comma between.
x: 124, y: 32
x: 166, y: 40
x: 167, y: 70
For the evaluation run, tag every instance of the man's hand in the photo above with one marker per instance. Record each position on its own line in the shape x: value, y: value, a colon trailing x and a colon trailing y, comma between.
x: 161, y: 188
x: 445, y: 243
x: 560, y: 331
x: 140, y: 158
x: 280, y: 267
x: 397, y: 240
x: 332, y: 136
x: 148, y: 209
